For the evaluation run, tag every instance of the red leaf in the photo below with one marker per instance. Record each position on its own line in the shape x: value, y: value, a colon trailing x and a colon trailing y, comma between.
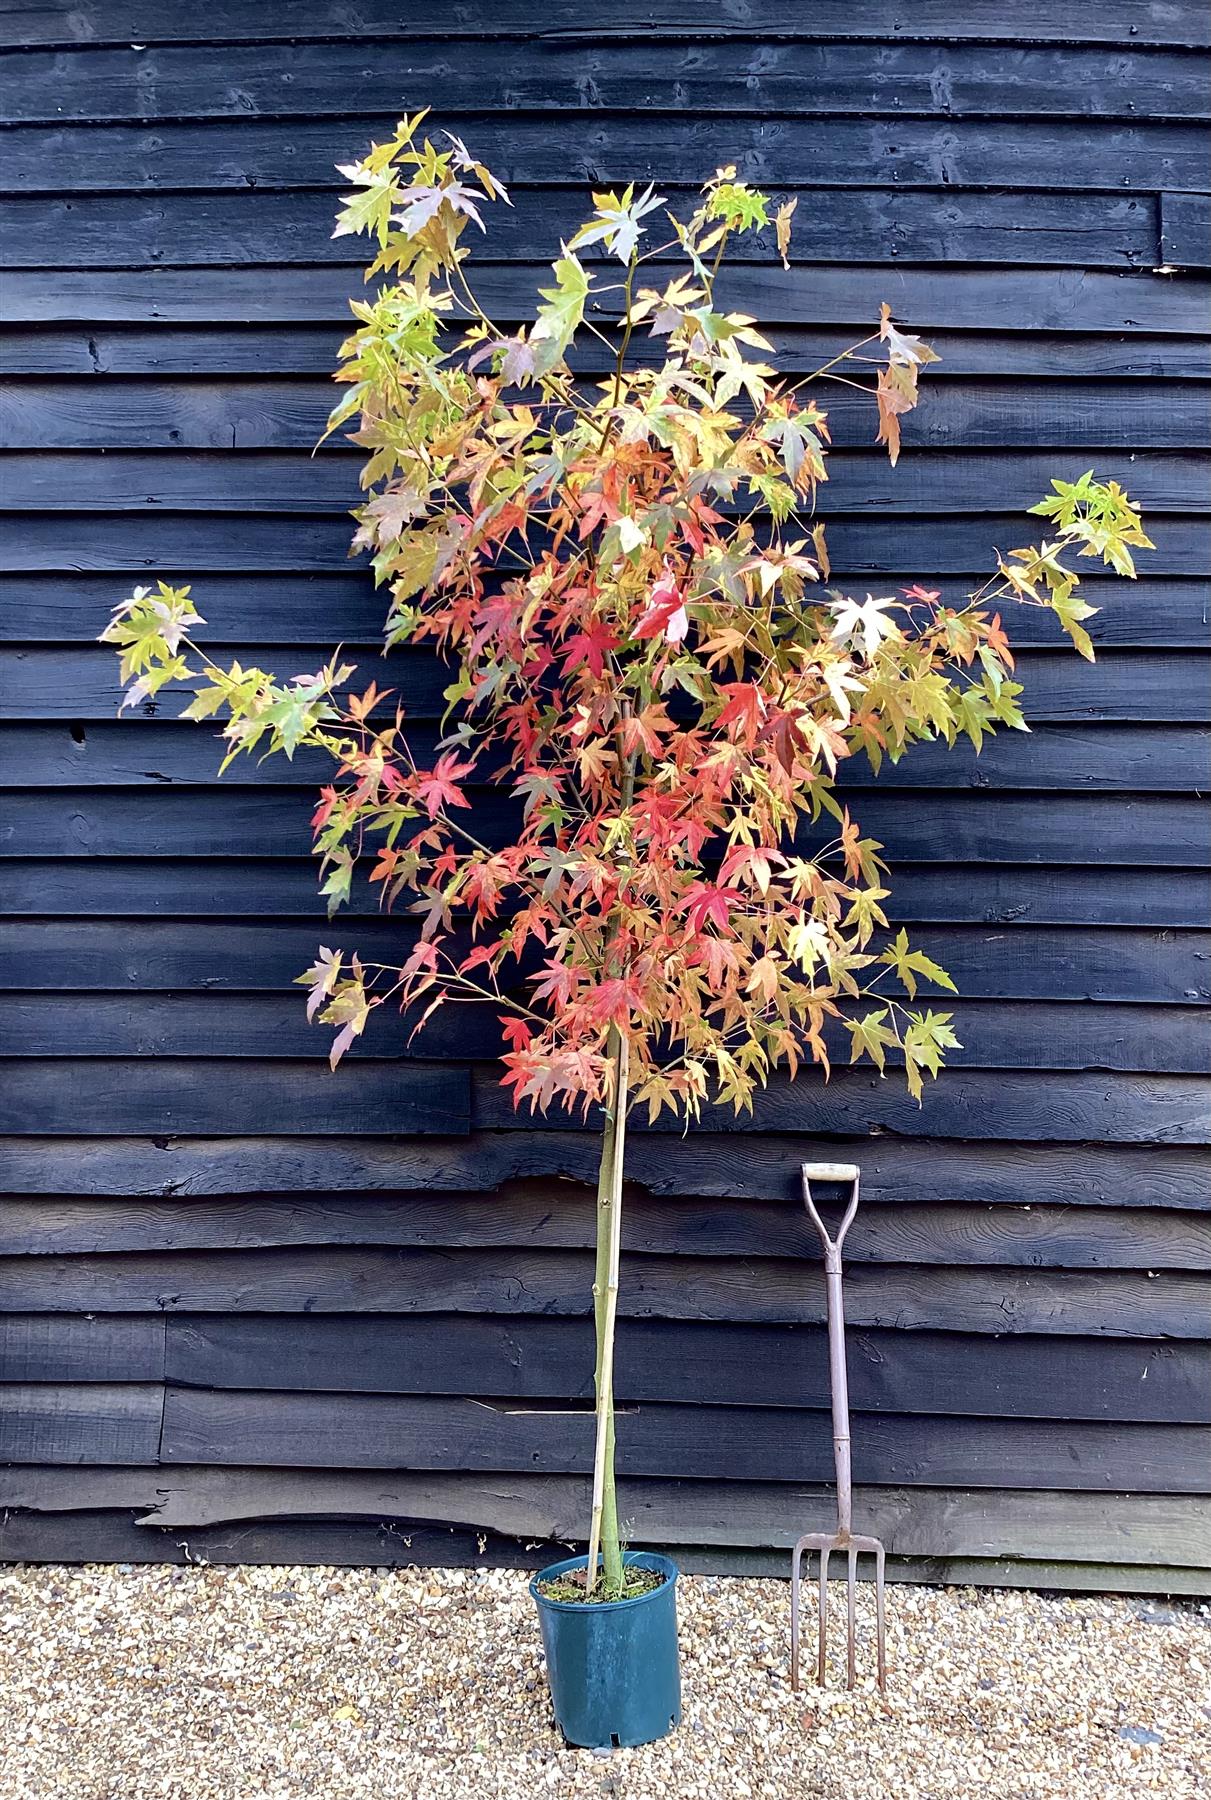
x: 439, y: 787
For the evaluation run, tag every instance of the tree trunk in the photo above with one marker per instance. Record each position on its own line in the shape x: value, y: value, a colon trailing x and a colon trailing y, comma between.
x: 603, y: 1526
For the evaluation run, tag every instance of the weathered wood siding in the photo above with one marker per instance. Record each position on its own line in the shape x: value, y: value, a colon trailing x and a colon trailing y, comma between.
x: 260, y: 1311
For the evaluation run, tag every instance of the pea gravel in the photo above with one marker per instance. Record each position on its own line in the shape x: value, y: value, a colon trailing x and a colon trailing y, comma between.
x: 162, y: 1683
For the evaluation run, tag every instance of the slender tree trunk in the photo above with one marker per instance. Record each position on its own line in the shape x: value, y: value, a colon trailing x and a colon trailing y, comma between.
x: 603, y: 1527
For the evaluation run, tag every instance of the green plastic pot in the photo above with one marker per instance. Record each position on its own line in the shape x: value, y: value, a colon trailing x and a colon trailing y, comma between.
x: 612, y: 1665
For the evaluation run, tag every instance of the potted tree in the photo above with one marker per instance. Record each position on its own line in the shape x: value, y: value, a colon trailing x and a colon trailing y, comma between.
x: 661, y: 892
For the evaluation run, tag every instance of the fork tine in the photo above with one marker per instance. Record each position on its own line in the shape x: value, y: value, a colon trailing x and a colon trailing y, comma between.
x: 851, y: 1583
x: 822, y: 1652
x: 796, y: 1567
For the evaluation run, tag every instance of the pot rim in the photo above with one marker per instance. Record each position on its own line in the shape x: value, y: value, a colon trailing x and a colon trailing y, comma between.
x: 643, y: 1558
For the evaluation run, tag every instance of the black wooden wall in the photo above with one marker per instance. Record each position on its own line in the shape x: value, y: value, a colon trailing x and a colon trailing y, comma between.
x: 253, y: 1310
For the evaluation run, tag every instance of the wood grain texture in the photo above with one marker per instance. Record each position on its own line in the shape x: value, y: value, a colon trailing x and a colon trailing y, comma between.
x: 115, y: 1536
x: 1140, y: 156
x: 73, y: 1348
x: 236, y: 349
x: 767, y: 1365
x: 708, y: 1162
x: 290, y: 414
x: 511, y: 1283
x: 73, y: 1423
x: 385, y: 1431
x: 80, y: 683
x: 220, y: 1097
x: 1186, y: 230
x: 65, y: 23
x: 1152, y: 1039
x: 551, y: 1215
x: 1022, y: 300
x: 286, y: 888
x: 913, y: 1521
x: 939, y: 482
x: 215, y: 1096
x: 1150, y: 831
x: 554, y: 74
x: 986, y: 962
x: 296, y: 608
x: 236, y: 225
x: 1109, y: 758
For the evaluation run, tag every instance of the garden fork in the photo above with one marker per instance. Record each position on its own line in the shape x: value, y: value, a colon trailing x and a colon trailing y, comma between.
x: 843, y: 1538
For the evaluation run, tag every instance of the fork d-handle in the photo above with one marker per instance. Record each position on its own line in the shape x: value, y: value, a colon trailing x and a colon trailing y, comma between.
x: 843, y: 1174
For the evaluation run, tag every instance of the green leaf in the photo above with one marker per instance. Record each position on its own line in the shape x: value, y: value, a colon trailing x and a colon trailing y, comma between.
x: 558, y: 321
x: 870, y: 1037
x: 908, y: 964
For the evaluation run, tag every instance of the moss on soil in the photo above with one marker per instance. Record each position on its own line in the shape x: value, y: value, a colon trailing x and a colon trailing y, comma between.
x: 569, y: 1588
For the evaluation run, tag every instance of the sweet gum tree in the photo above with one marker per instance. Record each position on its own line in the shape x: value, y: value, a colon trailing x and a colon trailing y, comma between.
x: 644, y: 652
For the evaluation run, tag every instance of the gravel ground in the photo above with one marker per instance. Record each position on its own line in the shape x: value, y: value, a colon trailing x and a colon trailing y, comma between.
x: 160, y: 1683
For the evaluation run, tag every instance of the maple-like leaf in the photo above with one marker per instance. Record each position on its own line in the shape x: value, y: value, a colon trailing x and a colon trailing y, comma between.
x: 422, y: 204
x: 320, y: 978
x: 439, y: 787
x: 864, y: 622
x: 869, y: 1036
x: 616, y: 221
x: 909, y: 963
x: 558, y: 320
x: 705, y: 902
x: 590, y: 647
x: 665, y: 615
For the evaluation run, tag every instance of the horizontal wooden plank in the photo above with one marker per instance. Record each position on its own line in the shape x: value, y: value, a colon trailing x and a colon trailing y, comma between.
x: 64, y: 22
x: 38, y: 681
x: 113, y: 1096
x: 45, y: 1347
x: 1139, y: 155
x: 990, y: 963
x: 1147, y: 830
x: 70, y: 1423
x: 1186, y: 230
x: 1020, y: 1105
x: 549, y: 1215
x: 921, y: 1521
x: 312, y: 350
x: 557, y: 74
x: 1143, y: 686
x: 766, y: 1365
x: 704, y: 1162
x: 928, y: 825
x: 277, y: 610
x: 114, y: 1536
x: 381, y: 1431
x: 909, y: 1521
x: 1019, y: 300
x: 1078, y: 759
x: 234, y: 226
x: 280, y: 413
x: 250, y: 481
x: 221, y: 887
x: 223, y: 1097
x: 510, y: 1283
x: 993, y: 1034
x: 136, y: 546
x: 859, y: 547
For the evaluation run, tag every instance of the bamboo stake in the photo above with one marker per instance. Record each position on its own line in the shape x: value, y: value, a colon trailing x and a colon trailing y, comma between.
x: 605, y: 1299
